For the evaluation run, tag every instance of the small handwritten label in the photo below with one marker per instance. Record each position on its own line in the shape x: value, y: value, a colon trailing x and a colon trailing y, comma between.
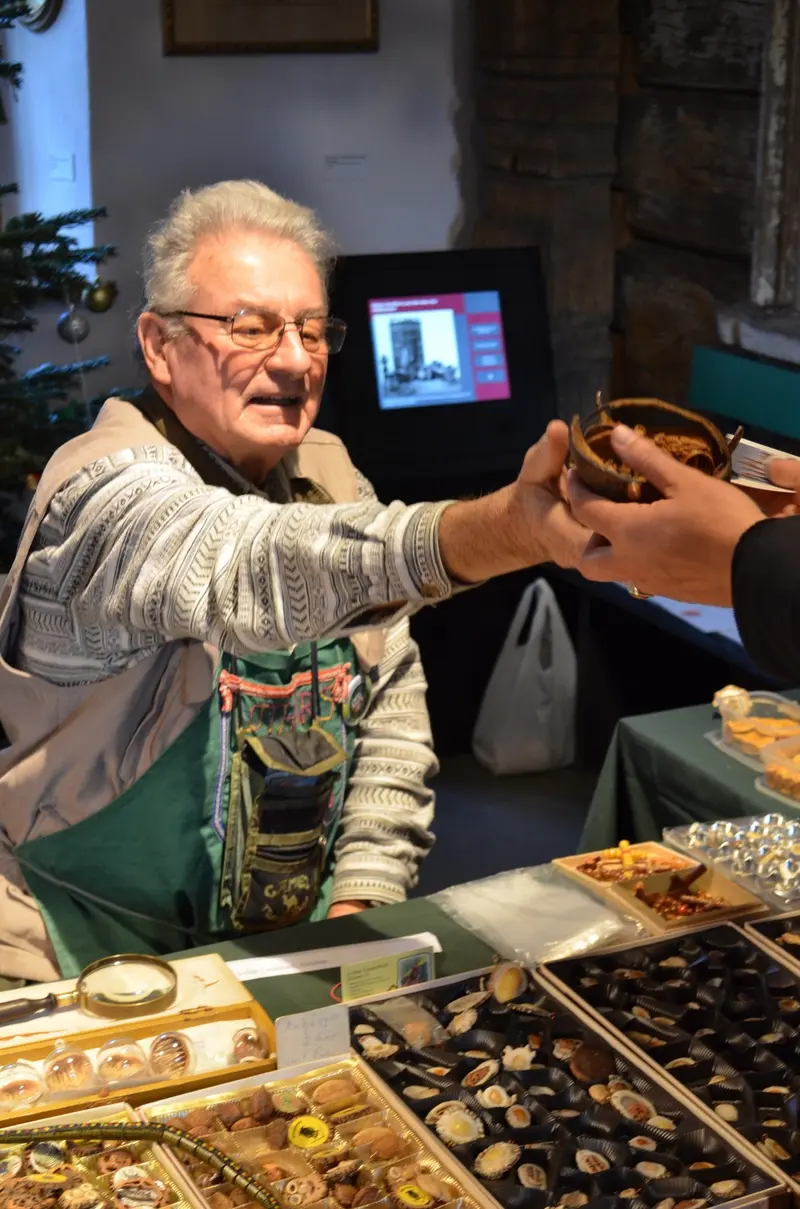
x: 312, y: 1036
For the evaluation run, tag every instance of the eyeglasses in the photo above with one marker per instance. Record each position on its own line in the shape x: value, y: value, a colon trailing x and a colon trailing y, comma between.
x: 263, y: 330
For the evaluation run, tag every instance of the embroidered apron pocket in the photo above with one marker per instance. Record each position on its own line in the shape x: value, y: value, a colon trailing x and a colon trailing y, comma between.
x: 281, y: 790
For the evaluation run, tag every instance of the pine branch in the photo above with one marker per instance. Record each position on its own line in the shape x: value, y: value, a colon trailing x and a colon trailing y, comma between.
x: 11, y: 72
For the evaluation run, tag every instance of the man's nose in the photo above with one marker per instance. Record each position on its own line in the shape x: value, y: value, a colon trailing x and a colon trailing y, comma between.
x: 291, y: 355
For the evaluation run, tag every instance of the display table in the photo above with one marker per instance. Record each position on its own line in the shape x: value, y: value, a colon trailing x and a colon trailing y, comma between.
x: 461, y: 950
x: 660, y: 771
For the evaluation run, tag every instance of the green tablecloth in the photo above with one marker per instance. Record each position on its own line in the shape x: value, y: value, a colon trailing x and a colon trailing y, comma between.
x: 660, y: 771
x: 281, y: 996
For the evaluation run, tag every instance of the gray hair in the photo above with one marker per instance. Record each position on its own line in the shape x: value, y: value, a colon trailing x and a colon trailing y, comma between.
x: 194, y: 214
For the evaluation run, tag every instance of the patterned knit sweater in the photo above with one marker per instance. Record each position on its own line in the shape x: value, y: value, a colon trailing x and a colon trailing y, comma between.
x: 136, y: 551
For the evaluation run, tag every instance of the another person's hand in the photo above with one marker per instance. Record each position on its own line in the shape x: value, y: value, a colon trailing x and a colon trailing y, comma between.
x: 345, y: 908
x: 785, y: 472
x: 681, y: 546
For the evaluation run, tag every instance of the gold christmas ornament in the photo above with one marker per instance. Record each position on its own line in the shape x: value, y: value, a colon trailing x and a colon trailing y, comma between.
x: 100, y: 296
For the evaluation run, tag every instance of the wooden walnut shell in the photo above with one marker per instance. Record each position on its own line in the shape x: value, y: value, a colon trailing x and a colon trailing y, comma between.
x: 690, y: 437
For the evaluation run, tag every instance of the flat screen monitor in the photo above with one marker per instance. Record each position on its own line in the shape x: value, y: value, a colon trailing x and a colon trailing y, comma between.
x: 446, y: 370
x: 440, y: 350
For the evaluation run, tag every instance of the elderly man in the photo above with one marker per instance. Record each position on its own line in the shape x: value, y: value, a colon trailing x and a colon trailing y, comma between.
x: 215, y: 715
x: 706, y: 542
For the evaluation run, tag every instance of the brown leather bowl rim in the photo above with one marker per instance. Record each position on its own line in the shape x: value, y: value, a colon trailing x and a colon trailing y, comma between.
x: 582, y: 446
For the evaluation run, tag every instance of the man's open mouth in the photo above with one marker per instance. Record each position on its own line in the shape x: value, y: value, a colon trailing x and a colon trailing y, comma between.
x: 275, y: 400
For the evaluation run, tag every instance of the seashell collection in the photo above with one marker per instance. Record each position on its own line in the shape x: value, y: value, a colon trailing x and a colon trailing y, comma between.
x: 533, y: 1102
x: 727, y: 1027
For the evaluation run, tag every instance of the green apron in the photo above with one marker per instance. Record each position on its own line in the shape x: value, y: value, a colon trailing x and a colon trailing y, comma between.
x: 204, y: 846
x: 144, y: 874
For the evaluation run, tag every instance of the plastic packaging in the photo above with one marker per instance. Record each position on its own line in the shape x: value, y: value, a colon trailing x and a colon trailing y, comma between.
x: 760, y: 852
x: 751, y: 722
x: 536, y: 914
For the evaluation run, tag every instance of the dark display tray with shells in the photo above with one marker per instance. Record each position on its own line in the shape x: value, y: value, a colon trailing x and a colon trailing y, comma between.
x: 538, y: 1106
x: 782, y: 931
x: 717, y: 1013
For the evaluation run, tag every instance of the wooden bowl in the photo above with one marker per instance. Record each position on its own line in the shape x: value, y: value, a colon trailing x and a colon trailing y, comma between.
x: 703, y: 446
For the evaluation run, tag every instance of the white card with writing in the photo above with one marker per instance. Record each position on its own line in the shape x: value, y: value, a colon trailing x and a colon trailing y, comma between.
x: 749, y: 463
x: 315, y: 1036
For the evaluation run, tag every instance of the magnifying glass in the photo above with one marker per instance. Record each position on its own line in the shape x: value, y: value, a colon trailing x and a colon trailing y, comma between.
x: 128, y: 984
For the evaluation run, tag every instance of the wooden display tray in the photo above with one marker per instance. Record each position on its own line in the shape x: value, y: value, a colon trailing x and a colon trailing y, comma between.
x: 211, y: 994
x: 777, y: 1196
x: 563, y: 994
x: 341, y: 1064
x: 618, y: 895
x: 785, y: 956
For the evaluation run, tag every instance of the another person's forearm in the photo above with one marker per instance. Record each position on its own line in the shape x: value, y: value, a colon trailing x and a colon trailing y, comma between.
x: 766, y: 595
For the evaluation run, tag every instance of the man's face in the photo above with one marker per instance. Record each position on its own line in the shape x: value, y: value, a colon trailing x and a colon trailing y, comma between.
x: 248, y: 405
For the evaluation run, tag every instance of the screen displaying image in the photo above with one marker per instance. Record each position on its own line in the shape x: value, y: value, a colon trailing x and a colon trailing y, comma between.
x: 443, y: 349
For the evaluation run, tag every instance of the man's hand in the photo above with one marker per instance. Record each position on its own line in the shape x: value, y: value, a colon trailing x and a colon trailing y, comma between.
x: 519, y: 526
x: 681, y: 546
x: 345, y: 908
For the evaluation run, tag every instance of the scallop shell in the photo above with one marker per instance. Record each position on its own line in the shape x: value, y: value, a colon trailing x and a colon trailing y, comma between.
x: 466, y: 1002
x: 591, y: 1162
x: 564, y: 1048
x: 497, y: 1159
x: 463, y: 1022
x: 495, y: 1097
x: 531, y: 1175
x: 652, y: 1171
x: 632, y: 1106
x: 441, y: 1110
x: 373, y: 1047
x: 481, y: 1074
x: 459, y: 1126
x: 518, y: 1058
x: 507, y: 981
x: 728, y: 1189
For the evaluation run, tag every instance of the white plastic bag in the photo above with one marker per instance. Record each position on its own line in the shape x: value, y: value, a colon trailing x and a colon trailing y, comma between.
x: 526, y: 722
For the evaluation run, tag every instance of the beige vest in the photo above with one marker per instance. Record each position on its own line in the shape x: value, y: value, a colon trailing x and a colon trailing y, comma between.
x: 73, y: 750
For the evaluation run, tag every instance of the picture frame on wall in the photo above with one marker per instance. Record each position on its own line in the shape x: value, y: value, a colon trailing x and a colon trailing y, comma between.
x: 251, y: 27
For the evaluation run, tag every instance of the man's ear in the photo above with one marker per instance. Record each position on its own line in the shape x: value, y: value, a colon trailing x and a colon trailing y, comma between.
x: 153, y: 342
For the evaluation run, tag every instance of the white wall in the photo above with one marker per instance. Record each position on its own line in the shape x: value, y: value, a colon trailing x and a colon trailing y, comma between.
x: 162, y: 124
x: 48, y: 117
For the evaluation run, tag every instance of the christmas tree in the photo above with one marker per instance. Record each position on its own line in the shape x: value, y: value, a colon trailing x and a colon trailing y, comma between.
x: 39, y: 410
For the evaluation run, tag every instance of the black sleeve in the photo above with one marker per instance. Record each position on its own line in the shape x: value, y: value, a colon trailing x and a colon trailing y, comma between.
x: 766, y: 595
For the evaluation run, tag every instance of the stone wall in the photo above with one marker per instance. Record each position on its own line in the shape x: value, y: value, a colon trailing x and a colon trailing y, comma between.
x: 620, y: 136
x: 546, y: 121
x: 690, y: 85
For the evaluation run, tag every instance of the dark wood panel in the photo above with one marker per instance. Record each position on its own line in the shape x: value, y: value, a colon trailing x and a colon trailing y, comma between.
x: 714, y: 44
x: 687, y: 165
x: 667, y: 301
